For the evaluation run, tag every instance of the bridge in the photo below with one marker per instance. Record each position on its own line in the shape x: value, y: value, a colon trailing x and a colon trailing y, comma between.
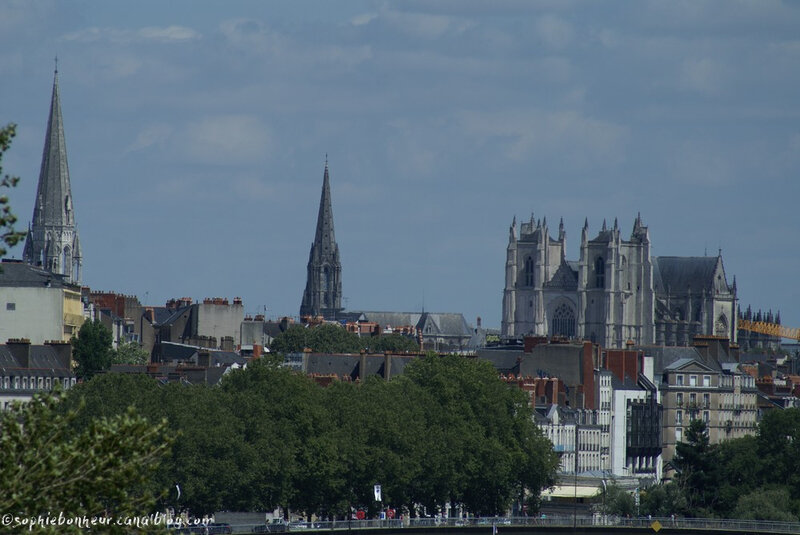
x: 554, y: 524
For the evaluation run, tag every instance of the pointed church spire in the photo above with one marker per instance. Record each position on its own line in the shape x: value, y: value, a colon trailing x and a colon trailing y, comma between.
x: 605, y: 227
x: 323, y: 293
x: 53, y: 240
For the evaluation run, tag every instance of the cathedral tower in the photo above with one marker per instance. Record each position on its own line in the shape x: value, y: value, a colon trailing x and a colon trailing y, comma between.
x: 323, y: 294
x: 52, y: 240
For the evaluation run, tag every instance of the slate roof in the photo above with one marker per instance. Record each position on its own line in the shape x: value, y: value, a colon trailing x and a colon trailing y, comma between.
x: 20, y: 275
x: 43, y: 361
x: 350, y: 364
x: 504, y: 361
x: 172, y: 351
x: 679, y: 273
x: 447, y: 323
x: 664, y: 356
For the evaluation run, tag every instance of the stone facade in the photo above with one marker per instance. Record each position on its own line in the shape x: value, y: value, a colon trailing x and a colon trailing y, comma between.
x: 616, y: 293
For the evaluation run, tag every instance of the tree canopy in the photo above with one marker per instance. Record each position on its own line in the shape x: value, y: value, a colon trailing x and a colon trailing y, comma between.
x: 91, y: 349
x: 448, y: 430
x: 102, y: 468
x: 9, y: 236
x: 330, y: 338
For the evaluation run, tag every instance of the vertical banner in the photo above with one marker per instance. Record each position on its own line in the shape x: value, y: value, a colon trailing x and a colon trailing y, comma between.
x: 378, y: 493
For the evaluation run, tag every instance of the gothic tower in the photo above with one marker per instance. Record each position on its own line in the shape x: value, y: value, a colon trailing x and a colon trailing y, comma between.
x: 323, y: 294
x: 52, y: 240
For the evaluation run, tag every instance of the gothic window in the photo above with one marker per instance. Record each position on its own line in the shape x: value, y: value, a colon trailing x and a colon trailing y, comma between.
x: 67, y: 262
x: 599, y: 273
x: 528, y: 271
x: 563, y: 321
x: 721, y: 327
x: 326, y: 277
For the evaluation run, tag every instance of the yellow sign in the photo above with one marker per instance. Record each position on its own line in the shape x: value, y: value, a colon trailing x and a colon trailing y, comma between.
x: 656, y: 526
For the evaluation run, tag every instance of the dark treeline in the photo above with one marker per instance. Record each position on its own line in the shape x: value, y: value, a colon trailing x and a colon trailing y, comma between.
x: 447, y: 430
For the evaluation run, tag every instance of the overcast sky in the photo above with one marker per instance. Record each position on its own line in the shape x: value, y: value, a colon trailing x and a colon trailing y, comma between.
x: 197, y: 134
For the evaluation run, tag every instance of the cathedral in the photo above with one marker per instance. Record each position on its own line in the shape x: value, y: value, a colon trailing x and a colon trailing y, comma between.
x: 52, y: 241
x: 323, y: 293
x: 616, y: 293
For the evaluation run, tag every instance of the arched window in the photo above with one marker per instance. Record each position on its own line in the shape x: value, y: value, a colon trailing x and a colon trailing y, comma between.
x: 326, y: 286
x: 721, y: 326
x: 67, y: 261
x: 599, y: 273
x: 528, y: 271
x: 563, y: 322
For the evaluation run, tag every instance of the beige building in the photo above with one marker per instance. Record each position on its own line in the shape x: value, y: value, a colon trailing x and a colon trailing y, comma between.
x: 724, y: 398
x: 37, y: 305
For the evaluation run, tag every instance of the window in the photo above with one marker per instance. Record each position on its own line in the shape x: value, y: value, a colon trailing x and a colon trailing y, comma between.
x: 678, y: 434
x: 679, y: 417
x: 563, y: 321
x: 706, y: 417
x: 16, y: 383
x: 706, y: 380
x: 528, y: 271
x: 679, y: 380
x: 693, y: 399
x: 706, y: 400
x: 692, y: 380
x: 679, y: 398
x: 41, y: 383
x: 599, y: 273
x: 11, y: 306
x: 24, y: 383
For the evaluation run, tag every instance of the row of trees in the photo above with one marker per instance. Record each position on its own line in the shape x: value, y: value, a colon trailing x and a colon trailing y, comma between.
x: 447, y: 430
x: 753, y: 477
x: 330, y: 338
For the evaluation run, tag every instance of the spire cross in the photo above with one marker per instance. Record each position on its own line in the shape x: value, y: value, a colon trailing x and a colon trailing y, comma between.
x: 56, y: 60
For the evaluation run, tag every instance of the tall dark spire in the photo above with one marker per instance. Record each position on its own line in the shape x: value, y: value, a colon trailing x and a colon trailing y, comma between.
x: 323, y: 293
x: 53, y: 239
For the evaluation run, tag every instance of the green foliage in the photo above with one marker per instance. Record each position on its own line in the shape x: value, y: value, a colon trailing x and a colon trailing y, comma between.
x: 130, y: 353
x: 330, y: 338
x: 269, y: 437
x: 292, y: 340
x: 9, y: 237
x: 91, y: 349
x: 391, y: 343
x: 767, y: 504
x: 750, y: 477
x: 663, y: 501
x: 697, y: 464
x: 104, y: 468
x: 617, y: 501
x: 483, y: 449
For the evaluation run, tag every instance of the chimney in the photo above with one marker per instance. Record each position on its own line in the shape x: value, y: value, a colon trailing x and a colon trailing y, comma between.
x: 63, y: 352
x: 21, y: 351
x: 204, y: 359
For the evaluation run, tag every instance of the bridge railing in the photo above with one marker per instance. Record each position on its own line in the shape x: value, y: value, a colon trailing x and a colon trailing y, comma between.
x: 554, y: 520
